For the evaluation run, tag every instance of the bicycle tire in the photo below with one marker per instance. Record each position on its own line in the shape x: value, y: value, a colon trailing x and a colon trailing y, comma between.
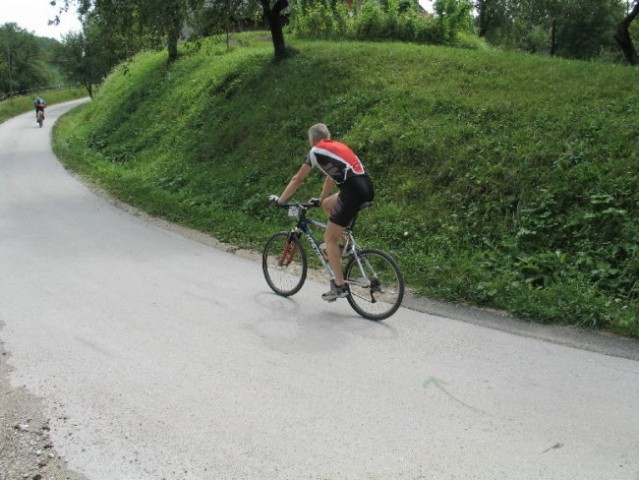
x: 380, y: 294
x: 284, y: 263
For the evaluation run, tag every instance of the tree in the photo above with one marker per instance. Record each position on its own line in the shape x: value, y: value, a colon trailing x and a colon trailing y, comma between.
x: 547, y: 14
x: 568, y: 28
x: 491, y: 16
x: 453, y: 16
x: 89, y: 56
x: 224, y: 16
x: 587, y: 27
x: 623, y: 37
x: 276, y: 17
x: 168, y: 18
x: 21, y: 65
x: 165, y: 18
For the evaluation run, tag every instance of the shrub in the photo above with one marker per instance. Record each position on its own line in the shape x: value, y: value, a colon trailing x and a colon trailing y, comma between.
x: 392, y: 20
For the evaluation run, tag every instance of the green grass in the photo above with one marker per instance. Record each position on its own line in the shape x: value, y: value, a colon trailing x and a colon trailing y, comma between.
x: 17, y: 105
x: 503, y: 180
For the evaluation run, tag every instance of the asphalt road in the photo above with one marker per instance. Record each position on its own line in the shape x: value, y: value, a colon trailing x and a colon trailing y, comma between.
x: 157, y: 355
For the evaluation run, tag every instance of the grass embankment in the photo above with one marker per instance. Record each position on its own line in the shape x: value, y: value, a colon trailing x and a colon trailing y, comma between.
x: 17, y: 105
x: 503, y: 180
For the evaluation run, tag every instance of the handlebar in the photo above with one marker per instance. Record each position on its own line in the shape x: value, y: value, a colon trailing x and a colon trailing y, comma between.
x: 311, y: 203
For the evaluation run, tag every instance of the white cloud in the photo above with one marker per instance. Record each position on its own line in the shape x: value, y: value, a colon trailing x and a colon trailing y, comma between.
x: 34, y: 15
x: 427, y: 5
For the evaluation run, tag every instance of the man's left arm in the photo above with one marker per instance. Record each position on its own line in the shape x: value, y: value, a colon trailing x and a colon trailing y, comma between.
x: 329, y: 186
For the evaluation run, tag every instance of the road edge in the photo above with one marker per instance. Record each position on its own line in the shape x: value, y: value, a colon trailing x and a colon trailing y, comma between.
x: 589, y: 340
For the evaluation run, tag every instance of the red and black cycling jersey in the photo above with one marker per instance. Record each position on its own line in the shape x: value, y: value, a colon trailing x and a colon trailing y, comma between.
x: 336, y: 160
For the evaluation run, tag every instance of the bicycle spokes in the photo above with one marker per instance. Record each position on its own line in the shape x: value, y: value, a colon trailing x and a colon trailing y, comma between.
x: 376, y: 284
x: 284, y: 263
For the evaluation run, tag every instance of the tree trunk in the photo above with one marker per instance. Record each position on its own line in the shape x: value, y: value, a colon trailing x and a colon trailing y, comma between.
x: 624, y: 40
x: 553, y: 38
x: 88, y: 84
x: 172, y: 44
x: 483, y: 27
x: 175, y: 29
x: 175, y: 22
x: 276, y: 22
x: 10, y: 79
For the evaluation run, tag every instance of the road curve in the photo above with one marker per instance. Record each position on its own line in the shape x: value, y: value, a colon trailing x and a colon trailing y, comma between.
x: 158, y: 356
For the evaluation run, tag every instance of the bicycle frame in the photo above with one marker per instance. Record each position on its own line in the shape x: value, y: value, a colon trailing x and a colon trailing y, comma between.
x: 303, y: 227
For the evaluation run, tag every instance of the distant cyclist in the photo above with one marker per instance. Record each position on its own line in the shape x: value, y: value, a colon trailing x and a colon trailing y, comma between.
x: 39, y: 105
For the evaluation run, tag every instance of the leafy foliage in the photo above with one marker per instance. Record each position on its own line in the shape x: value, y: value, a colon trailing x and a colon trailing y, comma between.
x: 375, y: 21
x: 22, y: 65
x: 502, y: 179
x: 162, y: 20
x: 582, y: 29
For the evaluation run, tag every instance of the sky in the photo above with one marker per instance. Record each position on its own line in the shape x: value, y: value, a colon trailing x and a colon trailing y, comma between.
x: 34, y: 16
x: 427, y: 4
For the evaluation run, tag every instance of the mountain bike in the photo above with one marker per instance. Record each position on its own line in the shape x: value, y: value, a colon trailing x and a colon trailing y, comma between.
x: 40, y: 118
x: 374, y: 280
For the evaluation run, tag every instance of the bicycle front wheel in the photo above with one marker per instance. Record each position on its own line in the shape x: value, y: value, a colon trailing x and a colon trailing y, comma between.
x: 376, y: 284
x: 284, y: 263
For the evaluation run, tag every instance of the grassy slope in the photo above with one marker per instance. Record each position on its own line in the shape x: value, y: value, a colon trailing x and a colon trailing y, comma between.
x: 502, y: 179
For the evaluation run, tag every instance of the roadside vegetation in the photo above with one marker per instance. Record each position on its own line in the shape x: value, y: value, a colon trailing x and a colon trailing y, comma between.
x: 503, y: 180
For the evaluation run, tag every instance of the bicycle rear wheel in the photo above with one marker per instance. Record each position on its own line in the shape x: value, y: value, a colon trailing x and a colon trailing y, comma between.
x: 284, y: 263
x: 376, y: 284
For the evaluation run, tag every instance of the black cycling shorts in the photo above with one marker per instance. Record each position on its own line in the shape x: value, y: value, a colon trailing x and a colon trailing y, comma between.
x: 352, y: 195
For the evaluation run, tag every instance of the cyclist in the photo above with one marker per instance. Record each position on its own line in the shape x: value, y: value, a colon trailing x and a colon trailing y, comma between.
x: 39, y: 105
x: 343, y: 168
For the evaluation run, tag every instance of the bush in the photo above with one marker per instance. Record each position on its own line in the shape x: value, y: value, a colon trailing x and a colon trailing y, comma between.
x: 317, y: 22
x: 391, y: 20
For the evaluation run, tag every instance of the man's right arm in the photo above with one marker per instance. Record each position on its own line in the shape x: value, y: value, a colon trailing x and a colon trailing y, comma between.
x: 295, y: 183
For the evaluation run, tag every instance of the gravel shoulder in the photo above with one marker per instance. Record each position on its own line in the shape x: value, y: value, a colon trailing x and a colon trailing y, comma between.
x: 26, y: 451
